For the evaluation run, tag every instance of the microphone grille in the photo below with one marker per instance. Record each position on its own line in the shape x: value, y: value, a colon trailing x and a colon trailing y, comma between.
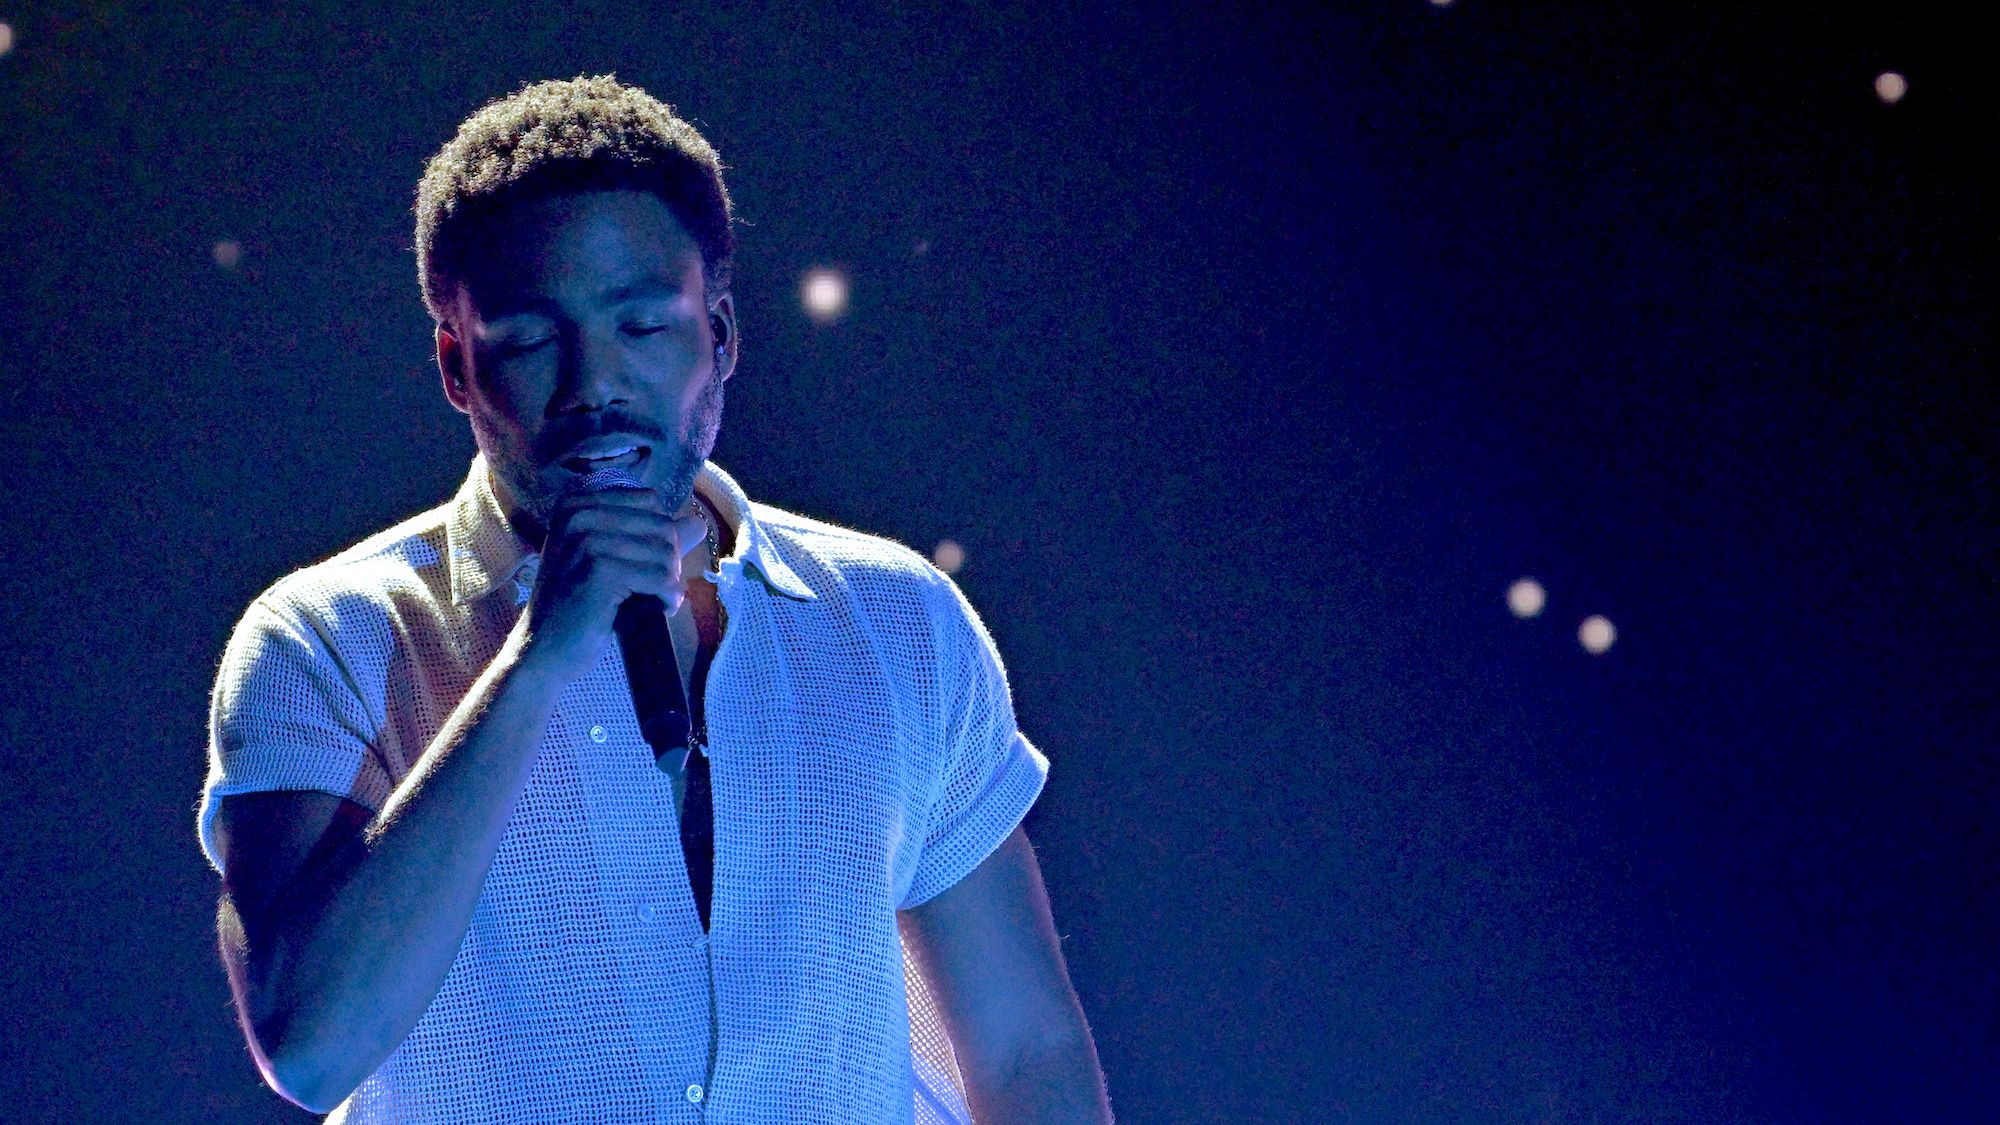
x: 602, y: 480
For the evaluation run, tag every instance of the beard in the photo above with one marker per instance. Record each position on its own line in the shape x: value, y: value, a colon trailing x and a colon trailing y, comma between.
x: 536, y: 489
x: 697, y: 440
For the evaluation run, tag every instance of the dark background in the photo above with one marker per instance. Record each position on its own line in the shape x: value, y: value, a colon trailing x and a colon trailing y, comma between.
x: 1251, y: 357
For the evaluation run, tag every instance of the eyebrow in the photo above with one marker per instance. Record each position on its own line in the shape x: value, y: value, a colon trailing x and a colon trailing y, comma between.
x: 643, y: 287
x: 636, y: 289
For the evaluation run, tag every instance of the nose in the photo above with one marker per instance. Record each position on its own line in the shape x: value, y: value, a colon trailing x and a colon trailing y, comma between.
x: 592, y: 372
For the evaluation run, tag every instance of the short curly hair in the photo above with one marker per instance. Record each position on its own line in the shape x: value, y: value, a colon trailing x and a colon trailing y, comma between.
x: 558, y: 138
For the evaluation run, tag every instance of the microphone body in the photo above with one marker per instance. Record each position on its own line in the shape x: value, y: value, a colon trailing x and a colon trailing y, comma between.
x: 653, y: 673
x: 664, y: 717
x: 650, y: 668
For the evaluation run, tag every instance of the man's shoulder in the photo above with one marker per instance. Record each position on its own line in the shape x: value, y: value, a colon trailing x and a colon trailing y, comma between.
x: 392, y: 565
x: 832, y: 559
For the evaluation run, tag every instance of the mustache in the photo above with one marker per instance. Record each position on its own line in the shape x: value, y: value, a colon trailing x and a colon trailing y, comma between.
x: 559, y: 439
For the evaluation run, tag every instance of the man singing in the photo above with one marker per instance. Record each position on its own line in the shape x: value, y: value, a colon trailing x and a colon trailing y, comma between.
x: 461, y: 884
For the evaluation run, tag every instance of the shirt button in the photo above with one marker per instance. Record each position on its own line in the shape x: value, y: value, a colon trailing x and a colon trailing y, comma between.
x: 597, y: 734
x: 694, y: 1092
x: 647, y: 913
x: 699, y: 944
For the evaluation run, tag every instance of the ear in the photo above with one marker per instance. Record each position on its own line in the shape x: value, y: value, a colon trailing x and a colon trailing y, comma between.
x: 451, y: 369
x: 722, y: 329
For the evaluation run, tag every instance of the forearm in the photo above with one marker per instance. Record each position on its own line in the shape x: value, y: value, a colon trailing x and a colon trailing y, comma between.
x: 1059, y: 1083
x: 358, y: 950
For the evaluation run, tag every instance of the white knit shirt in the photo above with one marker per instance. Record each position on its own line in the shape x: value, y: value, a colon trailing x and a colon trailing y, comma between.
x: 864, y: 758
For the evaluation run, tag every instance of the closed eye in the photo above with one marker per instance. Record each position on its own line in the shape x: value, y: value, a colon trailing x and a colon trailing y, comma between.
x: 523, y: 347
x: 644, y: 329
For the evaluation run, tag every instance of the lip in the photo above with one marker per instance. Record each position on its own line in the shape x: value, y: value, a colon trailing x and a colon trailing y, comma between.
x: 590, y: 455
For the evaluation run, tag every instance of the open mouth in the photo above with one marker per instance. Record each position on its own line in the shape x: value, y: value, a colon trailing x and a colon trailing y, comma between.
x: 625, y: 455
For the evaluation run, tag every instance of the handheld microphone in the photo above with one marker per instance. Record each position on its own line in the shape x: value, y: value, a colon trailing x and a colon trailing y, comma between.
x: 650, y: 669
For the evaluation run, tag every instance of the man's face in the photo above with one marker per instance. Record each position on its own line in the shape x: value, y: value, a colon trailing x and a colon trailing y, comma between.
x: 584, y: 342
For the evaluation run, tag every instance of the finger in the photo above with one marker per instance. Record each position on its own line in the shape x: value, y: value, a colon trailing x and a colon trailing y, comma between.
x: 690, y: 531
x: 644, y: 499
x: 623, y: 521
x: 623, y: 570
x: 640, y: 549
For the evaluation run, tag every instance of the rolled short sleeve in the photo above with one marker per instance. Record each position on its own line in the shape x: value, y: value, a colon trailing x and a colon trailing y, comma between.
x: 991, y: 774
x: 286, y: 714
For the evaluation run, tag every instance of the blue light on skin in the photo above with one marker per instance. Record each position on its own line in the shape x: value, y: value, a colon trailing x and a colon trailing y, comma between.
x: 583, y: 316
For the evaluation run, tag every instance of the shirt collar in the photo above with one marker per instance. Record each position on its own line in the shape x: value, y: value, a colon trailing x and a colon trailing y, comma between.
x: 486, y: 552
x: 754, y: 547
x: 482, y: 545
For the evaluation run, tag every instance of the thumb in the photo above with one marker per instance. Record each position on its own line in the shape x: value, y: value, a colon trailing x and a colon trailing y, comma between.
x: 690, y: 532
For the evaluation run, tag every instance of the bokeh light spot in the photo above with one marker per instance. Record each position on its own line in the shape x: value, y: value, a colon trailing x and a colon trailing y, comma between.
x: 6, y: 37
x: 1597, y: 635
x: 1890, y: 87
x: 824, y: 293
x: 228, y: 253
x: 1526, y: 598
x: 948, y: 556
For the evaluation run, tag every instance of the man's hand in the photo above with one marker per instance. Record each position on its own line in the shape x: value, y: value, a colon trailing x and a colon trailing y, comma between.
x: 602, y: 548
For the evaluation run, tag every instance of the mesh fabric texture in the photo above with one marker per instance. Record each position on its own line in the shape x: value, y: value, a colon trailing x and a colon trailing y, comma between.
x: 864, y: 757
